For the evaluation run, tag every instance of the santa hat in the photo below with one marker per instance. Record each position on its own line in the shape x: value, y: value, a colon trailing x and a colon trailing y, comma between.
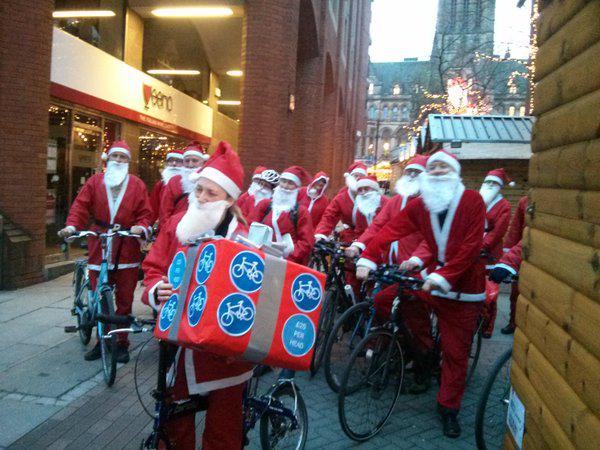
x: 417, y: 162
x: 117, y: 147
x: 356, y: 168
x: 296, y: 174
x: 368, y: 181
x: 225, y: 169
x: 195, y: 149
x: 499, y: 176
x: 257, y: 172
x: 318, y: 177
x: 175, y: 153
x: 446, y: 157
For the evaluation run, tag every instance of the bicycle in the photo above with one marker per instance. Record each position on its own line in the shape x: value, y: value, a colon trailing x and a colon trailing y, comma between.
x: 237, y: 311
x: 373, y: 379
x: 249, y: 269
x: 87, y: 308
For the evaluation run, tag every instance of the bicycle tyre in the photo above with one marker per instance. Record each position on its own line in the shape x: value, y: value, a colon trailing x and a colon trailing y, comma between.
x: 81, y: 302
x: 385, y: 355
x: 150, y: 443
x: 268, y: 419
x: 333, y: 374
x: 480, y: 413
x: 474, y: 356
x: 324, y: 328
x: 108, y: 345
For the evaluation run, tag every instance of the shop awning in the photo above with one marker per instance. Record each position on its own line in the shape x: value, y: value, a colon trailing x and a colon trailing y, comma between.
x: 488, y: 129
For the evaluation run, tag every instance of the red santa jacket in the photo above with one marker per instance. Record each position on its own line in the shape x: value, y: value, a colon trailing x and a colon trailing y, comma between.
x: 130, y: 208
x: 155, y: 196
x: 456, y: 245
x: 341, y: 208
x: 497, y: 219
x: 517, y: 225
x: 173, y: 200
x: 204, y: 371
x: 246, y: 204
x: 302, y: 234
x: 512, y: 259
x: 316, y: 207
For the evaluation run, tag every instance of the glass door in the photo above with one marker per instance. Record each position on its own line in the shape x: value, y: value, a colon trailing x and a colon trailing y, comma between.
x: 86, y: 148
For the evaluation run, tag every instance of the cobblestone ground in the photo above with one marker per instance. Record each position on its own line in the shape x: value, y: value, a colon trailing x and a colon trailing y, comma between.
x: 93, y: 416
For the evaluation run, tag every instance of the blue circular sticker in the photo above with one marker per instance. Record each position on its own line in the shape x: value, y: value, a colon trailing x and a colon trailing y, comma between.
x: 167, y: 313
x: 236, y: 314
x: 306, y: 292
x: 246, y: 271
x: 298, y: 335
x: 206, y: 263
x: 196, y: 305
x: 176, y: 270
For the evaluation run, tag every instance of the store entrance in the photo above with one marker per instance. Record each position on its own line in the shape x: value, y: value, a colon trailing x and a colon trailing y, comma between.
x: 86, y: 138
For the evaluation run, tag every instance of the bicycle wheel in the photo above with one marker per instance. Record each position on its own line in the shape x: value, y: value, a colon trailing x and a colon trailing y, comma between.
x: 81, y: 301
x: 490, y: 417
x: 325, y: 323
x: 155, y: 442
x: 279, y: 431
x: 475, y: 351
x: 345, y: 335
x: 107, y: 345
x: 371, y: 385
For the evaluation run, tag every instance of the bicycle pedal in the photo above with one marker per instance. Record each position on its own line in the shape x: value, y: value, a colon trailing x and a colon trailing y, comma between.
x: 71, y: 329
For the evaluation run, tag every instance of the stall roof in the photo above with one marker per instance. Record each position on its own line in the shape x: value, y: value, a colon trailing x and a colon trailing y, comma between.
x: 490, y: 129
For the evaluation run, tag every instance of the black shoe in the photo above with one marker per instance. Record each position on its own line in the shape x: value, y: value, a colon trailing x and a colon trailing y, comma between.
x: 450, y: 425
x: 508, y: 329
x: 122, y: 354
x: 94, y: 353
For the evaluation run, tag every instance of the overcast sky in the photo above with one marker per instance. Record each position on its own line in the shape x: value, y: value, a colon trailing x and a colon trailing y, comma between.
x: 405, y: 28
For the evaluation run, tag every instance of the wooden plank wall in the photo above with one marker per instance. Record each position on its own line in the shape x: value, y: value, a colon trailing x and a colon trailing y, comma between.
x: 556, y: 357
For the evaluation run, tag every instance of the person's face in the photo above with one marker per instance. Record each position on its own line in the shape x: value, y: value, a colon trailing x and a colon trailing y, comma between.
x: 491, y: 184
x: 173, y: 162
x: 319, y: 185
x: 287, y: 184
x: 411, y: 173
x: 119, y: 157
x: 438, y: 168
x: 208, y: 191
x: 364, y: 190
x: 264, y: 185
x: 193, y: 162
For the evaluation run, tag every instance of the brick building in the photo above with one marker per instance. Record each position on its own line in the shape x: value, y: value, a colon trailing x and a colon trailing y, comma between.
x: 283, y: 80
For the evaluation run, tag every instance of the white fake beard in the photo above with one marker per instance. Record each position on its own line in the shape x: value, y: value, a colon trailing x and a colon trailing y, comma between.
x: 187, y: 185
x: 262, y: 194
x: 407, y: 186
x: 115, y: 173
x: 368, y: 203
x: 200, y: 218
x: 283, y: 199
x: 254, y: 187
x: 438, y: 191
x: 169, y: 172
x: 489, y: 193
x: 351, y: 183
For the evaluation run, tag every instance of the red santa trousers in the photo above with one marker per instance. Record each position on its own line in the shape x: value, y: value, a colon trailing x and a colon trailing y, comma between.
x: 490, y: 308
x: 223, y: 426
x: 514, y: 294
x: 457, y: 322
x: 124, y: 281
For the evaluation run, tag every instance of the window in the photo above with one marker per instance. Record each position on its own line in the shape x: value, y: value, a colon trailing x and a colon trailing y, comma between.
x: 384, y: 115
x: 511, y: 110
x: 371, y: 89
x: 372, y: 112
x: 396, y: 90
x: 395, y: 112
x: 512, y: 89
x: 522, y: 111
x: 404, y: 112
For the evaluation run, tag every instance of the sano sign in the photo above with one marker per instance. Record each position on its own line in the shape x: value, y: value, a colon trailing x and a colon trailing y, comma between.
x: 87, y: 76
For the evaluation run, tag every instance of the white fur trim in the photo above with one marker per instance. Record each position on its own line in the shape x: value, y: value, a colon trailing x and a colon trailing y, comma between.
x: 222, y: 180
x: 507, y: 267
x: 112, y: 266
x: 417, y: 260
x: 319, y: 237
x: 291, y: 177
x: 151, y: 299
x: 494, y: 178
x: 365, y: 182
x: 71, y: 228
x: 118, y: 150
x: 359, y: 245
x: 174, y: 155
x: 441, y: 235
x: 460, y: 296
x: 440, y: 281
x: 364, y: 262
x: 415, y: 167
x: 444, y: 157
x: 492, y: 204
x: 202, y: 155
x: 358, y: 170
x: 208, y: 386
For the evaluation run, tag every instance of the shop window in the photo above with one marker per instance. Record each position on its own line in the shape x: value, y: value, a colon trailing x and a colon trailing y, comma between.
x: 106, y: 33
x: 153, y: 150
x: 111, y: 133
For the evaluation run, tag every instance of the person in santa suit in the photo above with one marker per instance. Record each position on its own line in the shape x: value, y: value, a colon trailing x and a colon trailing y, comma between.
x: 343, y: 208
x: 107, y: 199
x: 290, y: 221
x: 512, y: 238
x: 174, y: 196
x: 452, y: 221
x: 314, y: 198
x: 172, y: 167
x: 497, y: 219
x: 211, y: 208
x: 246, y: 200
x: 508, y: 266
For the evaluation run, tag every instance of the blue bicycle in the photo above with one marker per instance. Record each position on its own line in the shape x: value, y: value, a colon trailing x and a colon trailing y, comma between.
x: 87, y: 305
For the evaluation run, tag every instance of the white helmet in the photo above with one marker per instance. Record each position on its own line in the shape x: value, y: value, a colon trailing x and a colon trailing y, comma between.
x: 270, y: 176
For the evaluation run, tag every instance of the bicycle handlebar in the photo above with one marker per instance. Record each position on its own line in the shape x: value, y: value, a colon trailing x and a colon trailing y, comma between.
x: 110, y: 233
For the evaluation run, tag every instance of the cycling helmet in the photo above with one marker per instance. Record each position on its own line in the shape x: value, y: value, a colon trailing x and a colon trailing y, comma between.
x: 270, y: 176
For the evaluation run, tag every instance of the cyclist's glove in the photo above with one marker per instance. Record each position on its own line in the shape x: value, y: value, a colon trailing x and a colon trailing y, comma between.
x: 499, y: 274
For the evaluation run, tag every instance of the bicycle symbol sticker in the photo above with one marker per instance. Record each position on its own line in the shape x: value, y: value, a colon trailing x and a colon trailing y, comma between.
x: 206, y: 263
x: 246, y: 271
x: 306, y: 292
x: 167, y: 313
x: 298, y: 335
x: 176, y: 270
x: 236, y: 314
x: 196, y: 305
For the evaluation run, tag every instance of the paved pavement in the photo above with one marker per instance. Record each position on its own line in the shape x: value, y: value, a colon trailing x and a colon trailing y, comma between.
x: 51, y: 398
